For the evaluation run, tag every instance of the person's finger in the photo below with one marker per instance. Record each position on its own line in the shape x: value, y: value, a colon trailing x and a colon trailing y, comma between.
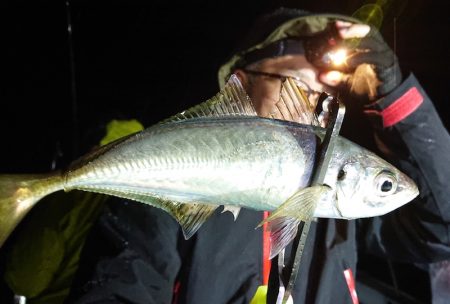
x: 343, y: 24
x: 333, y: 78
x: 349, y: 30
x: 366, y: 43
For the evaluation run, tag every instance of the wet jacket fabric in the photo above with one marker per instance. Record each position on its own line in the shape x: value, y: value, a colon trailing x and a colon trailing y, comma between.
x: 136, y: 253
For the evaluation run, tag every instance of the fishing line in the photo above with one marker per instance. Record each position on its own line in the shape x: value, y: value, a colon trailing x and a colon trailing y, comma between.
x: 73, y: 89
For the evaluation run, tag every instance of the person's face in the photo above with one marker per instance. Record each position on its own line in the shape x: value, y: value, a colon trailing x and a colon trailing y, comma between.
x: 264, y: 91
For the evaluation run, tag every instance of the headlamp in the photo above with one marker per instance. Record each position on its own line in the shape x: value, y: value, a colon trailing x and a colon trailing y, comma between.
x: 335, y: 57
x: 322, y: 50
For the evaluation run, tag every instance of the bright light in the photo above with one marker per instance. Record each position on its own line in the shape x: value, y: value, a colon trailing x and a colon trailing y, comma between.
x: 338, y: 57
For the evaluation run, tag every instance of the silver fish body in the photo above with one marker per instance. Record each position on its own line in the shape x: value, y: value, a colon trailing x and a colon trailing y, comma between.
x: 190, y: 167
x: 250, y: 162
x: 220, y: 153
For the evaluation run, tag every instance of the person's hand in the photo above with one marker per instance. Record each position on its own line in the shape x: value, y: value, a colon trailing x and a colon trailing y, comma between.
x: 371, y: 68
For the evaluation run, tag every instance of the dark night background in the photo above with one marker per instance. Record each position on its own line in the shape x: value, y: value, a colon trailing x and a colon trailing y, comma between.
x: 151, y: 59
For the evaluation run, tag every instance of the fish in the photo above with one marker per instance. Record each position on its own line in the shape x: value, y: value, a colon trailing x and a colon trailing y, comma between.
x: 220, y: 153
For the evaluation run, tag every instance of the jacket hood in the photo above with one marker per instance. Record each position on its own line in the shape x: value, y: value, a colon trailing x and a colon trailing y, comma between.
x: 279, y: 25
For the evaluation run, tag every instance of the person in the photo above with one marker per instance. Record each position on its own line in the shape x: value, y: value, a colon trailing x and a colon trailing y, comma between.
x: 136, y: 254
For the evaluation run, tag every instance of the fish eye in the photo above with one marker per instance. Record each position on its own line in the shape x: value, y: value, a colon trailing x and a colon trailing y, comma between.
x: 385, y: 183
x: 386, y: 186
x: 341, y: 174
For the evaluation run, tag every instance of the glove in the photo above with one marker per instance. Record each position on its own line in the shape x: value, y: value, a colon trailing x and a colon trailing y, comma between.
x: 371, y: 69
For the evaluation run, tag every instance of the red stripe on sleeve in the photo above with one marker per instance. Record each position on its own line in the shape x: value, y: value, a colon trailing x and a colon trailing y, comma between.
x: 266, y: 251
x: 402, y: 107
x: 348, y: 274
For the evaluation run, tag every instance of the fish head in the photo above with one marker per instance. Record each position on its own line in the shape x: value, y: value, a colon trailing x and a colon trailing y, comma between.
x: 367, y: 186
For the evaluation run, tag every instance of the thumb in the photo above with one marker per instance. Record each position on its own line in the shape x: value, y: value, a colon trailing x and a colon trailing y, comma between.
x: 333, y: 78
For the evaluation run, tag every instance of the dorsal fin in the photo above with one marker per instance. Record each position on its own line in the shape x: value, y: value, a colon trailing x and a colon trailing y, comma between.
x: 294, y: 105
x: 231, y: 100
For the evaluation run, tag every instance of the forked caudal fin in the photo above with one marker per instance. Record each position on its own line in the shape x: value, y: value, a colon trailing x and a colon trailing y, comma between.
x: 19, y: 193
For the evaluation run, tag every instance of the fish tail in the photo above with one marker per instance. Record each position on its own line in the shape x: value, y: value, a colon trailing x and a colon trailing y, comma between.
x: 19, y: 193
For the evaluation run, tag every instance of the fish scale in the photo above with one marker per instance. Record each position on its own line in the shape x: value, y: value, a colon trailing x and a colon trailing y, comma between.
x: 232, y: 147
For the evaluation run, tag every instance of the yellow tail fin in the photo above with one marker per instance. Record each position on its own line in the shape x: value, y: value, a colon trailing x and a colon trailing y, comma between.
x: 19, y: 193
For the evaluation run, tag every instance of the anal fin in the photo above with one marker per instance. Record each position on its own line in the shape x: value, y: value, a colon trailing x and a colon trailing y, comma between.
x: 190, y: 216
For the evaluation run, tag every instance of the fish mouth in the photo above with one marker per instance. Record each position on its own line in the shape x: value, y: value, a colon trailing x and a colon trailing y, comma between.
x: 409, y: 189
x: 415, y: 192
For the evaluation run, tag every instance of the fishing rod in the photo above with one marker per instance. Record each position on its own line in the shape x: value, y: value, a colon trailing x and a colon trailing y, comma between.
x: 335, y: 112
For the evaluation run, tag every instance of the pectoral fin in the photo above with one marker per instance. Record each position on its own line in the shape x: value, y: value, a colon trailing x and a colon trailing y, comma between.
x: 284, y: 221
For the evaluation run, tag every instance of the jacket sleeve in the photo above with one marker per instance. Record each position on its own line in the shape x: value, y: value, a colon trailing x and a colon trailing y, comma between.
x: 412, y: 135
